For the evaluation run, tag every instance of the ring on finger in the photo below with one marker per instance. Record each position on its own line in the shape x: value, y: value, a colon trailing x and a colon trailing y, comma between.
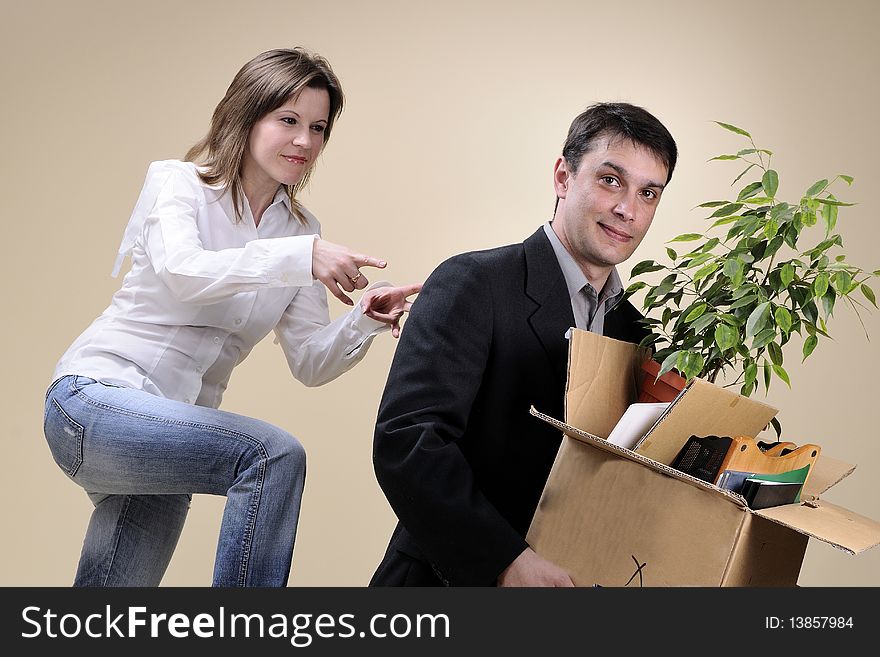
x: 354, y: 279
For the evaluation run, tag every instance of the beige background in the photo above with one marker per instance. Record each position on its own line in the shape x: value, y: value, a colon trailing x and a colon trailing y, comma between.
x: 456, y: 113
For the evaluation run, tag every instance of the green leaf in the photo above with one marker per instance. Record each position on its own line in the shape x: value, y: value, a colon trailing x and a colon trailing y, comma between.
x: 751, y: 373
x: 644, y: 267
x: 672, y: 254
x: 711, y: 244
x: 831, y: 201
x: 758, y: 200
x: 702, y: 323
x: 828, y: 300
x: 770, y: 181
x: 744, y: 301
x: 709, y: 269
x: 693, y: 364
x: 751, y: 288
x: 686, y: 237
x: 823, y: 246
x: 774, y: 245
x: 767, y: 372
x: 811, y: 312
x: 820, y: 285
x: 635, y: 287
x: 733, y: 128
x: 724, y: 157
x: 749, y: 190
x: 712, y: 204
x: 698, y: 310
x: 775, y: 352
x: 699, y: 260
x: 777, y: 427
x: 829, y: 216
x: 665, y: 286
x: 817, y: 188
x: 783, y: 318
x: 781, y: 373
x: 669, y: 363
x: 847, y: 179
x: 757, y: 319
x: 726, y: 337
x: 764, y: 338
x: 782, y: 212
x: 869, y: 294
x: 790, y: 232
x: 725, y: 220
x: 842, y: 282
x: 786, y: 274
x: 732, y: 267
x: 809, y: 344
x: 727, y: 210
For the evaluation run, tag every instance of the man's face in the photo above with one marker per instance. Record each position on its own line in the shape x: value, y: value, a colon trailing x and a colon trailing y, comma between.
x: 606, y: 208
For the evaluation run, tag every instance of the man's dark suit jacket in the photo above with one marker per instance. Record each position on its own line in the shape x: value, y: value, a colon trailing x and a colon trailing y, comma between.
x: 458, y: 455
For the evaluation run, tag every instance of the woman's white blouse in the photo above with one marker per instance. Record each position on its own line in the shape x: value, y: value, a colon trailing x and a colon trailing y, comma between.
x: 203, y: 289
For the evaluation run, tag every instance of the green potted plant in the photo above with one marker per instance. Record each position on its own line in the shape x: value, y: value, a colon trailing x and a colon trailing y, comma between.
x: 764, y: 271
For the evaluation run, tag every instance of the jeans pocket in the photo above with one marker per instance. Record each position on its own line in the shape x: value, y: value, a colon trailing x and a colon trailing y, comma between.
x: 65, y: 437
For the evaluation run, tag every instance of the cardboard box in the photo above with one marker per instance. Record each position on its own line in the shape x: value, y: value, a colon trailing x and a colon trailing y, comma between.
x: 615, y: 517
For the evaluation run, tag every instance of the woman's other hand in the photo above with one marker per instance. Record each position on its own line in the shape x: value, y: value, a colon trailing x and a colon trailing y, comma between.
x: 338, y: 267
x: 387, y: 304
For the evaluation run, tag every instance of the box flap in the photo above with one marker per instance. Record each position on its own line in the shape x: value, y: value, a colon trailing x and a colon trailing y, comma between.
x: 704, y: 409
x: 603, y: 380
x: 842, y: 528
x: 827, y: 472
x: 604, y: 445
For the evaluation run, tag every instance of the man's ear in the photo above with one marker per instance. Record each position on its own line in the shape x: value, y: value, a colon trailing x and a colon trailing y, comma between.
x: 561, y: 177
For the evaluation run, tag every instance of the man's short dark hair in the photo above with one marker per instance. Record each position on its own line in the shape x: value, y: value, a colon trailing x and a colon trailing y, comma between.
x: 619, y: 120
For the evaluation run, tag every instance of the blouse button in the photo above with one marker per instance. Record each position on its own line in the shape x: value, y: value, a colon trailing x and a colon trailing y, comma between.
x: 216, y: 339
x: 238, y: 321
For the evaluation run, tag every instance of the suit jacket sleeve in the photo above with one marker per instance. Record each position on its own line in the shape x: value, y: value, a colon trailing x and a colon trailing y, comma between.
x: 434, y: 378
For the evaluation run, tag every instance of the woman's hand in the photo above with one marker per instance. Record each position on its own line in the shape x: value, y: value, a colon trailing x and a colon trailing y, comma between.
x: 338, y: 267
x: 387, y: 304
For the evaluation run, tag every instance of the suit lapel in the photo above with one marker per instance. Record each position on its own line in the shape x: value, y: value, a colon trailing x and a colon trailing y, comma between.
x: 545, y: 286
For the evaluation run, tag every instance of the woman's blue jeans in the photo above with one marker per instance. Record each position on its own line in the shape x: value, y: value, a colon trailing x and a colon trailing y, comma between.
x: 140, y: 458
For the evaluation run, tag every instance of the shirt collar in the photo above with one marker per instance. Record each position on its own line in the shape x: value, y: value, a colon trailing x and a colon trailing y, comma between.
x: 284, y: 197
x: 613, y: 289
x: 574, y: 276
x: 280, y: 195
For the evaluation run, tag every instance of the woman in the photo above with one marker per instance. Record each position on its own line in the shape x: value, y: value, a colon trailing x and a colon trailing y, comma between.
x: 222, y: 253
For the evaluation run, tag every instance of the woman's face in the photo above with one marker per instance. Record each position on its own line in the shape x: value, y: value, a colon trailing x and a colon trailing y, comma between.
x: 284, y: 144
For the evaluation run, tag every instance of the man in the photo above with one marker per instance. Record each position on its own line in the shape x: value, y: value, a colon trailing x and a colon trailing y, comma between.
x: 456, y: 451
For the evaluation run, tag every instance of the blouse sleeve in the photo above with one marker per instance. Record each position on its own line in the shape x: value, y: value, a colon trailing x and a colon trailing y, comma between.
x: 194, y: 274
x: 318, y: 350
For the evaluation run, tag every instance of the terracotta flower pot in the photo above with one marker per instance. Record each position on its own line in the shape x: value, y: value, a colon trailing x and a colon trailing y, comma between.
x: 664, y: 389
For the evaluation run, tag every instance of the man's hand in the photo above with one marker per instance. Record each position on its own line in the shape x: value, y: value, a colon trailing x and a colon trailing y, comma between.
x: 530, y: 569
x: 338, y: 267
x: 387, y: 304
